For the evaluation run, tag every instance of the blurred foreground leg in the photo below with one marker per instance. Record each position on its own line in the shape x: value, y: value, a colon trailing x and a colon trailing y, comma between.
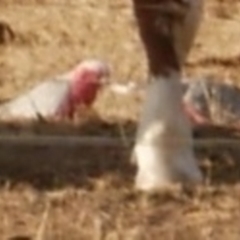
x: 163, y: 150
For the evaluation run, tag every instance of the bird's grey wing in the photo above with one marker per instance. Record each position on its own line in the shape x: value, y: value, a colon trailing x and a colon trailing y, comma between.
x: 229, y: 97
x: 42, y: 100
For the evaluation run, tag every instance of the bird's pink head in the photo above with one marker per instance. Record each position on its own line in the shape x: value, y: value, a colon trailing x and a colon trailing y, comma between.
x: 86, y: 79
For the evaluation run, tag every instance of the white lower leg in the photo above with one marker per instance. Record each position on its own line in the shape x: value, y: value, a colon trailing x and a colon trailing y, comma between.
x: 163, y: 149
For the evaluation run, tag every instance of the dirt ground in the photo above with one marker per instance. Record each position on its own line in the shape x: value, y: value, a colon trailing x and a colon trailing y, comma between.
x: 86, y: 192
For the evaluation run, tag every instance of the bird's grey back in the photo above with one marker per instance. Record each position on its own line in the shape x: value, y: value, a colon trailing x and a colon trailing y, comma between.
x: 42, y: 100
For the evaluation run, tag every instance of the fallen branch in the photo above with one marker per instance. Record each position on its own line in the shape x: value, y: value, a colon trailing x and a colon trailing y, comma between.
x: 100, y: 141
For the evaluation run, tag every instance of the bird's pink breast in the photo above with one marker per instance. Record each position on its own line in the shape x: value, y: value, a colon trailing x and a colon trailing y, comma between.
x: 85, y: 93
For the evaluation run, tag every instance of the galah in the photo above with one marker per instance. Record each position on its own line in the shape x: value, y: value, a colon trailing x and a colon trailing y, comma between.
x: 206, y: 100
x: 190, y: 105
x: 59, y: 97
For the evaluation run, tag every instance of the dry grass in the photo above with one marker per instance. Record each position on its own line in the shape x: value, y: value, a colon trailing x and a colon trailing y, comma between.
x: 85, y: 193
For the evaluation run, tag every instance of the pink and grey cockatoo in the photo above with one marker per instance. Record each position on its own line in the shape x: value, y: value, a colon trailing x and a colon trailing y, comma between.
x: 59, y: 97
x: 208, y: 101
x: 205, y: 101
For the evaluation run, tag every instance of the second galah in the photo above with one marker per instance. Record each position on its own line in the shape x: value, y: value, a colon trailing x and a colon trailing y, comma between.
x: 206, y: 100
x: 59, y: 97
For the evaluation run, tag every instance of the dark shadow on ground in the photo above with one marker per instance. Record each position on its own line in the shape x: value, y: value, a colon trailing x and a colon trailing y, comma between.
x: 219, y: 161
x: 54, y: 167
x: 48, y: 167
